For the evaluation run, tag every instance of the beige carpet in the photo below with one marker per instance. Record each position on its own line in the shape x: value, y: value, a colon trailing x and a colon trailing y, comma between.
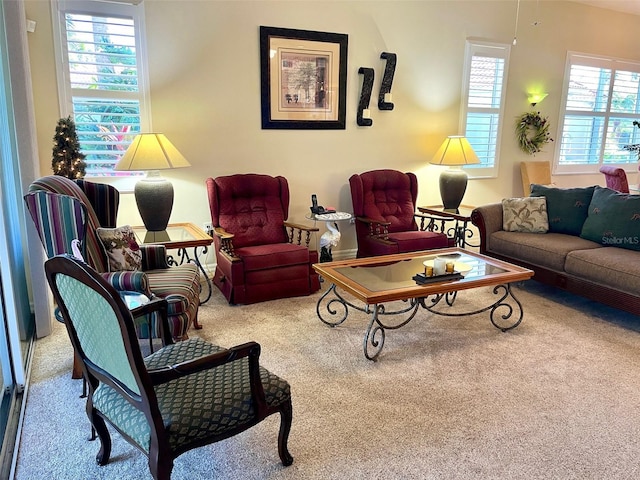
x: 556, y: 398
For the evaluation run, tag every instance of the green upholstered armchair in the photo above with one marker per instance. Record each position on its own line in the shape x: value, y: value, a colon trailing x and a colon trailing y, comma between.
x: 179, y: 285
x: 183, y: 396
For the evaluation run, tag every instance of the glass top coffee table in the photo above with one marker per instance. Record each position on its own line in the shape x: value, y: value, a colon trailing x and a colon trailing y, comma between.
x: 375, y: 281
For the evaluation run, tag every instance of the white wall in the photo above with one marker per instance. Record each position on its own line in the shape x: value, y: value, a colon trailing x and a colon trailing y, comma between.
x: 205, y: 89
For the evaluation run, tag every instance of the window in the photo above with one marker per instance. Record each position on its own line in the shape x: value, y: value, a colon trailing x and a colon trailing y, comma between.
x: 486, y: 66
x: 102, y: 79
x: 600, y: 104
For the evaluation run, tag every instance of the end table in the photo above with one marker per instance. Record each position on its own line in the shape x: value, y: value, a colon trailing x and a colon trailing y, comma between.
x: 331, y: 237
x: 454, y: 225
x: 181, y: 236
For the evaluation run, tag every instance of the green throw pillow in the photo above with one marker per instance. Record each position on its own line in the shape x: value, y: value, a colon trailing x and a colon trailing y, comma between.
x: 567, y: 208
x: 614, y: 219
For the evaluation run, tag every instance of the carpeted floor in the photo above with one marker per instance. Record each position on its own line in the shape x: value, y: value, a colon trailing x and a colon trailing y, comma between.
x: 556, y: 398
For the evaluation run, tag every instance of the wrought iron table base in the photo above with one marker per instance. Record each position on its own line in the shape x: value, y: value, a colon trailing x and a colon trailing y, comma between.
x: 505, y: 313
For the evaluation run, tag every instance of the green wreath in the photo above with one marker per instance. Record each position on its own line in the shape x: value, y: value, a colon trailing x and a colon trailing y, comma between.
x: 532, y: 132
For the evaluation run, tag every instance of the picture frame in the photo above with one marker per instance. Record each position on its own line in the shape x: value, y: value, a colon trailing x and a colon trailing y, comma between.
x: 303, y: 79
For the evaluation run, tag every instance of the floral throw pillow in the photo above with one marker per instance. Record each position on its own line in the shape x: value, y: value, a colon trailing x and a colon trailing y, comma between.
x: 121, y: 248
x: 527, y: 215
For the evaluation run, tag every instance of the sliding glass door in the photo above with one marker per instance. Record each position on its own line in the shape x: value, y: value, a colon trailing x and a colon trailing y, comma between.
x: 17, y: 323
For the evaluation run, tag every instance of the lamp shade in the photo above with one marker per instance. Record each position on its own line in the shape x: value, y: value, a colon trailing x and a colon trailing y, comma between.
x: 151, y: 151
x: 455, y: 150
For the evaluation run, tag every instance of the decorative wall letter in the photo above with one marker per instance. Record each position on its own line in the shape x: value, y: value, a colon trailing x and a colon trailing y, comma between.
x: 384, y: 98
x: 364, y: 114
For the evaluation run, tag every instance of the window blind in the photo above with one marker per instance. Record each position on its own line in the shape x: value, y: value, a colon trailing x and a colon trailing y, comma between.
x: 103, y: 76
x: 601, y: 103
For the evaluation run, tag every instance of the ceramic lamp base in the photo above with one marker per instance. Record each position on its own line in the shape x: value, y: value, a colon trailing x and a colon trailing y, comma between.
x: 154, y: 197
x: 453, y: 185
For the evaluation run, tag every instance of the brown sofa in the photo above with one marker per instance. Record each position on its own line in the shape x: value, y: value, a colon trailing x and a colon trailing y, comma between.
x: 571, y: 260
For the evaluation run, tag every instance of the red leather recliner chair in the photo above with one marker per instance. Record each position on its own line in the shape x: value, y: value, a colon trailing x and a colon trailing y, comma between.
x: 260, y: 256
x: 384, y: 204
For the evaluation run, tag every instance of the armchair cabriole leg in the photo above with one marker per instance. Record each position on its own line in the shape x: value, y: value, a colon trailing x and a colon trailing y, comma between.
x: 102, y: 458
x: 160, y: 466
x: 286, y: 418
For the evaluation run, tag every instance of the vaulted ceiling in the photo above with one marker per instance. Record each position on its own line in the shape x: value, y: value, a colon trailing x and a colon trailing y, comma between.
x: 626, y: 6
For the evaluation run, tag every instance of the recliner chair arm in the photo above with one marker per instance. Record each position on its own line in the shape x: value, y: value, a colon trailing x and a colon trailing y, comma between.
x: 226, y: 243
x: 376, y: 228
x: 296, y: 227
x: 428, y: 222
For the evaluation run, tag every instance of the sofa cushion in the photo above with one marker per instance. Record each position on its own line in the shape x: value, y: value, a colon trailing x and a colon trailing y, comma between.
x: 414, y: 240
x: 614, y: 219
x: 259, y: 257
x: 567, y: 208
x: 546, y: 250
x: 617, y: 268
x: 527, y: 214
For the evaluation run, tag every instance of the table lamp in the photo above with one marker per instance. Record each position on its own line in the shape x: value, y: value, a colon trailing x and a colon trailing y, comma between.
x: 154, y: 194
x: 454, y: 152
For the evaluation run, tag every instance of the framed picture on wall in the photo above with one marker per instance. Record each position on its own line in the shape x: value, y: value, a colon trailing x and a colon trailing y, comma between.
x: 303, y: 79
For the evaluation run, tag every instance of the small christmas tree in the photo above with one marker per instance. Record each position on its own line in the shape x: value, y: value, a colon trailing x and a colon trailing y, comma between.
x: 67, y: 160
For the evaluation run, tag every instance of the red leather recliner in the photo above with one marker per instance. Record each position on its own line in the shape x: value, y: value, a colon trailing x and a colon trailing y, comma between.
x: 384, y: 204
x: 260, y: 256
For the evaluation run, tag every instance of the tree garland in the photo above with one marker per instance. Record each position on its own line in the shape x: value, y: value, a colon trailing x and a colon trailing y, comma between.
x: 532, y: 132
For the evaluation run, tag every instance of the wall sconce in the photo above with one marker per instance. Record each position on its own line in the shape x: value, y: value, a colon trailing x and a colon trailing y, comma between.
x: 534, y: 98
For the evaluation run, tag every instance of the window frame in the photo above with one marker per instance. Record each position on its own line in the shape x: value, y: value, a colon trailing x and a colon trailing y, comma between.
x: 602, y: 62
x: 118, y: 8
x: 476, y: 47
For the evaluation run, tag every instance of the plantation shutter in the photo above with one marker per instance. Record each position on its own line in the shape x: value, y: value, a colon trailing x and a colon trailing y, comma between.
x: 104, y: 85
x: 601, y: 105
x: 483, y: 100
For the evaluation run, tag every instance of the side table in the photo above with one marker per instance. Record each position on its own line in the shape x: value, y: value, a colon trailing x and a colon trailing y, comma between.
x: 181, y: 236
x: 331, y: 237
x: 454, y: 225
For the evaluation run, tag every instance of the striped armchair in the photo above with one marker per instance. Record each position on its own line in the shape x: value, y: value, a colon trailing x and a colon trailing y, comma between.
x: 180, y: 285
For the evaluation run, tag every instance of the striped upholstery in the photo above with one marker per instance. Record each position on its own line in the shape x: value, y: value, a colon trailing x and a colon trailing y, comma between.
x: 93, y: 248
x: 180, y: 285
x: 61, y: 215
x: 104, y: 199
